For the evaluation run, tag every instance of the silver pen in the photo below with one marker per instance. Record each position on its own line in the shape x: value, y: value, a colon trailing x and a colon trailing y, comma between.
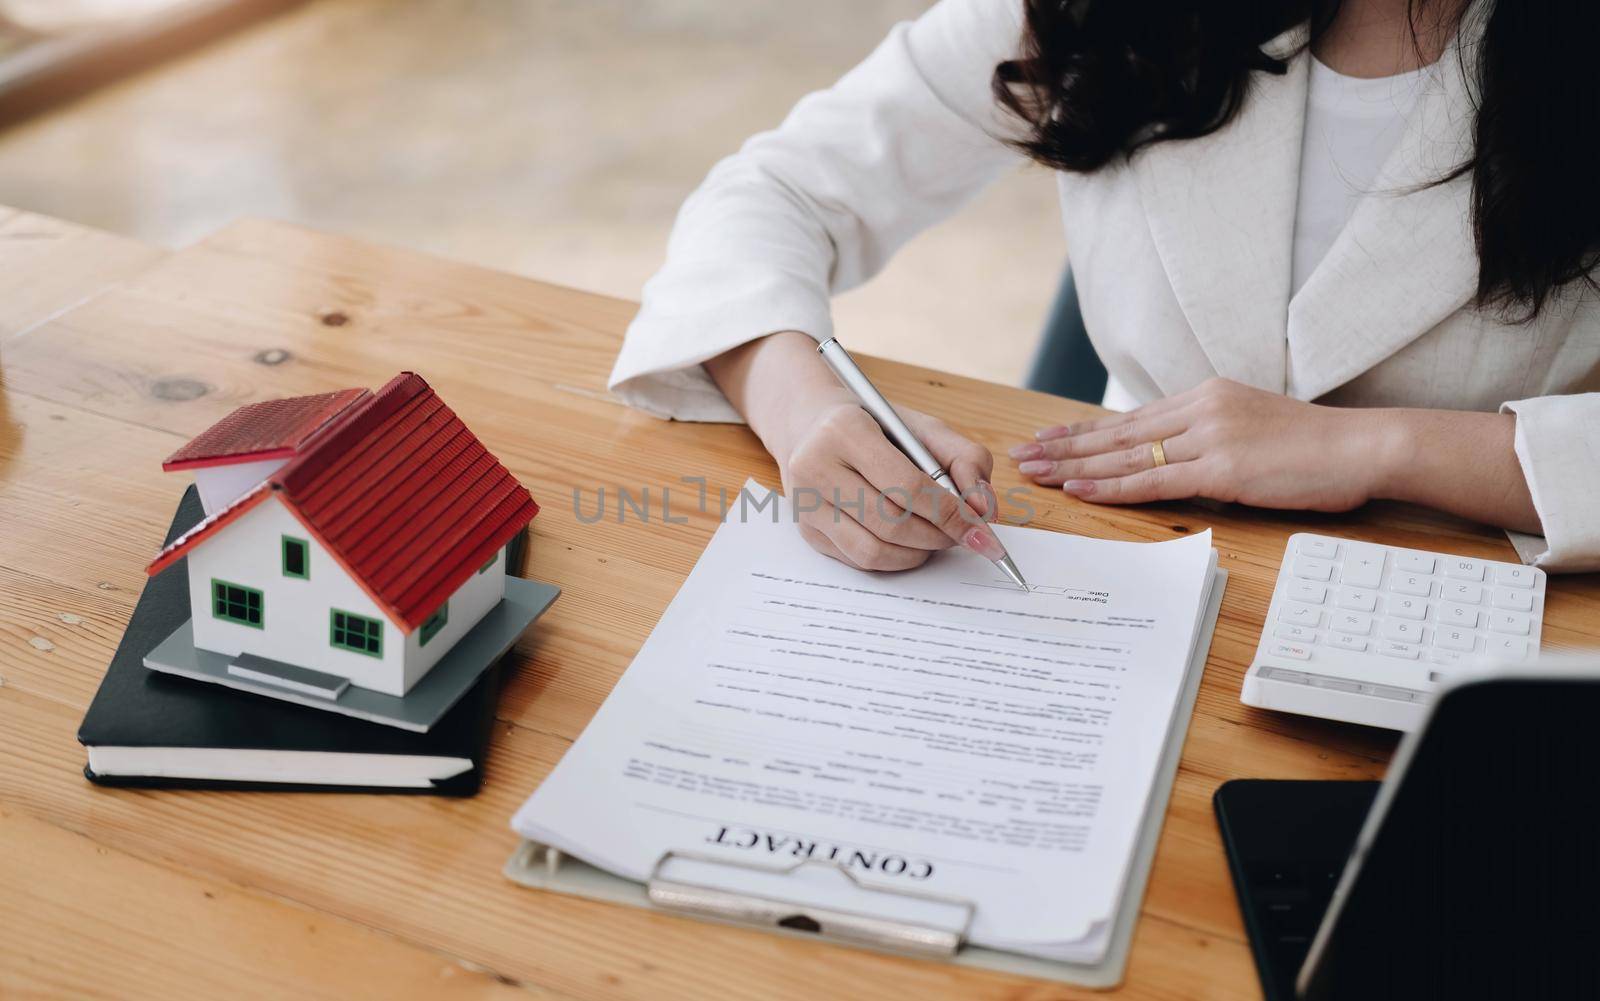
x: 897, y: 432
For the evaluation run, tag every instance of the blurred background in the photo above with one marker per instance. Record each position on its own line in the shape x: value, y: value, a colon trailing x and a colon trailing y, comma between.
x: 551, y: 138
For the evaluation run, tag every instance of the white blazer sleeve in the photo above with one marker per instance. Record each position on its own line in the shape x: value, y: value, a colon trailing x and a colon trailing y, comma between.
x: 821, y: 203
x: 1558, y: 445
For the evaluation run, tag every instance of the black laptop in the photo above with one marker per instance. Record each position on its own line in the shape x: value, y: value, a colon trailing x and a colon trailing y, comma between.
x: 1471, y: 871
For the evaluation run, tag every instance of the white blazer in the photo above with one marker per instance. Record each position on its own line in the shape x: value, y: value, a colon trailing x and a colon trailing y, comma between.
x: 1181, y: 257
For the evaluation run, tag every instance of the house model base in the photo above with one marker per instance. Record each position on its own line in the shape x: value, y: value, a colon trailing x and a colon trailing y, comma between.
x: 417, y: 710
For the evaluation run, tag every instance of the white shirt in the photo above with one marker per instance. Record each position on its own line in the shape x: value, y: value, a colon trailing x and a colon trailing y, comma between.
x: 1352, y: 125
x: 1182, y: 254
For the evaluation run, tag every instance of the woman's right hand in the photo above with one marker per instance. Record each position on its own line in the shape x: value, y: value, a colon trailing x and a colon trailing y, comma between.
x: 861, y: 501
x: 857, y: 498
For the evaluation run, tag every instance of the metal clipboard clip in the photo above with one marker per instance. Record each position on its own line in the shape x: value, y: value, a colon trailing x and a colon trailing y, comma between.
x: 835, y: 924
x: 544, y: 866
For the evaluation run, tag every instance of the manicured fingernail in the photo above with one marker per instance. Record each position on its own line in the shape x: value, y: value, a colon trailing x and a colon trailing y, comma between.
x: 1031, y: 450
x: 983, y: 542
x: 1079, y: 488
x: 991, y: 501
x: 1059, y: 431
x: 982, y: 499
x: 1035, y: 468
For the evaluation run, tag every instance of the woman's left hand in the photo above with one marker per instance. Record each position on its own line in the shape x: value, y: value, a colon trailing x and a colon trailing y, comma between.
x: 1222, y: 440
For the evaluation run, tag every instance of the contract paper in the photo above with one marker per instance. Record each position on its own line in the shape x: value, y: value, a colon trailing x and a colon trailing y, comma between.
x: 938, y: 731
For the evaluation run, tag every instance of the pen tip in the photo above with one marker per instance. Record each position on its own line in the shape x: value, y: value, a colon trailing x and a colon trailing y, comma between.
x: 1009, y: 568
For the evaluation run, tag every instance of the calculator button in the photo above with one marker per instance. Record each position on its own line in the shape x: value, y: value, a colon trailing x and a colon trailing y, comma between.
x: 1508, y: 647
x: 1363, y: 565
x: 1312, y: 569
x: 1467, y: 594
x: 1299, y: 615
x: 1325, y: 549
x: 1413, y: 562
x: 1408, y: 617
x: 1400, y: 629
x: 1361, y: 601
x: 1355, y: 623
x: 1410, y: 583
x: 1404, y: 651
x: 1308, y: 591
x: 1407, y: 608
x: 1509, y: 622
x: 1513, y: 576
x: 1345, y: 641
x: 1517, y: 601
x: 1463, y: 569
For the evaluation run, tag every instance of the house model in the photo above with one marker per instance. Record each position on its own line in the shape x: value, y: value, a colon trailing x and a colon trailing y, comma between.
x: 353, y: 544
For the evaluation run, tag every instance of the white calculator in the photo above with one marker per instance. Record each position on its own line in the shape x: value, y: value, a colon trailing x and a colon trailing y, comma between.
x: 1367, y: 633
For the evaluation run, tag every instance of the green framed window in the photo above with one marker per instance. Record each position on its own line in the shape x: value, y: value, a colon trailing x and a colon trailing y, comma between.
x: 237, y: 603
x: 349, y: 631
x: 486, y: 566
x: 435, y: 622
x: 296, y: 558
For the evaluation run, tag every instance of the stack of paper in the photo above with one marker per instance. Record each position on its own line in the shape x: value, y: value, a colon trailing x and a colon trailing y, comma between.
x: 938, y: 730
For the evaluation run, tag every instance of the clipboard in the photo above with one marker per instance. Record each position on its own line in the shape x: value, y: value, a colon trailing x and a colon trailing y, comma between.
x: 545, y: 868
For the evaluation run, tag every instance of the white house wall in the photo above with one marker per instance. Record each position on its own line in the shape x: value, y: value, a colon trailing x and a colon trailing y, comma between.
x: 470, y: 603
x: 218, y: 485
x: 295, y: 613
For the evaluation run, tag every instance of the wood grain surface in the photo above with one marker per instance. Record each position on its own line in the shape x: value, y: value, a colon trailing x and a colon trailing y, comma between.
x: 47, y: 266
x: 177, y: 894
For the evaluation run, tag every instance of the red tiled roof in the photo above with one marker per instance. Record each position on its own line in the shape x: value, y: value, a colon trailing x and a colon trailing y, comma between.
x: 401, y: 493
x: 271, y: 429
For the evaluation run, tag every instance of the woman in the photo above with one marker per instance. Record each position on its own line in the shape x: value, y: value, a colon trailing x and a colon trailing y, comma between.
x: 1328, y: 253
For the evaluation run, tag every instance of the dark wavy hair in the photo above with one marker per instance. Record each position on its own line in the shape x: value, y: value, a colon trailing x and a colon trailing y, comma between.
x: 1097, y: 80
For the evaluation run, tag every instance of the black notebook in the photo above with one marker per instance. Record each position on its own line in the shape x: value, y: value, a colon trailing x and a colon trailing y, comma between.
x: 150, y: 729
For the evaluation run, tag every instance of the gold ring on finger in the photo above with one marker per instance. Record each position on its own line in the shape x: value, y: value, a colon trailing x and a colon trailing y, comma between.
x: 1158, y: 453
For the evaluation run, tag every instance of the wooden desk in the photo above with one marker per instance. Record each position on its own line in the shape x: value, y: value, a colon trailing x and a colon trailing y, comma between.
x: 191, y: 894
x: 48, y: 266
